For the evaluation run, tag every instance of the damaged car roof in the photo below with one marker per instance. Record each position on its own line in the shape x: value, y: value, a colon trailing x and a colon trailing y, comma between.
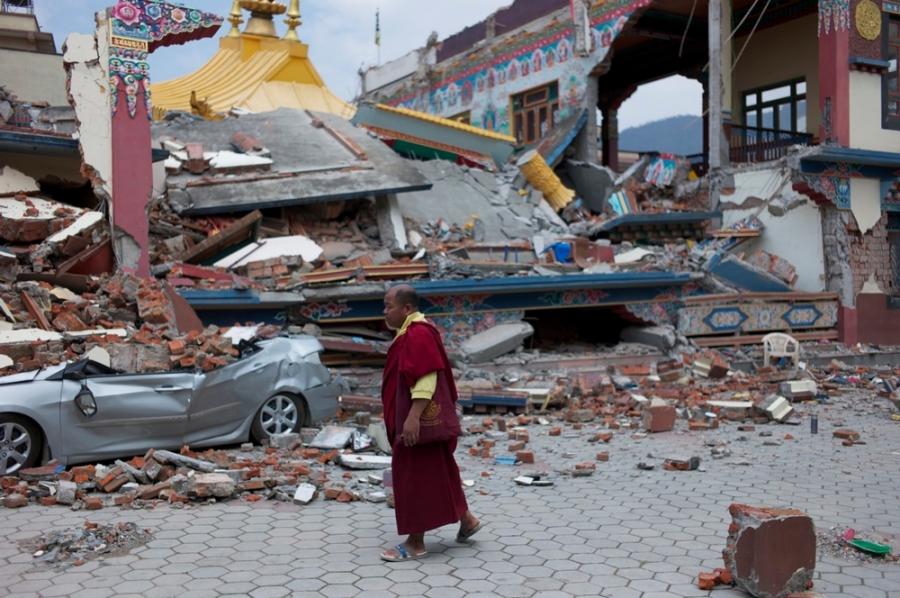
x: 315, y: 157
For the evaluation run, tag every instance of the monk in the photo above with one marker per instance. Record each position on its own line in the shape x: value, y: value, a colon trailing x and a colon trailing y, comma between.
x: 427, y: 488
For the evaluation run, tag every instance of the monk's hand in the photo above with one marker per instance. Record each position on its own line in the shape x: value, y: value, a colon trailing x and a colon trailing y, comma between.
x: 410, y: 433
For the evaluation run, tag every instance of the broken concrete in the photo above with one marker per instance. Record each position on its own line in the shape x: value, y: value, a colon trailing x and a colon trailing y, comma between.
x: 494, y: 342
x: 770, y: 553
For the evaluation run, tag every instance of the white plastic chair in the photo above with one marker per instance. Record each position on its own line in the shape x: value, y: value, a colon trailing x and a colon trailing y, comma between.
x: 778, y: 344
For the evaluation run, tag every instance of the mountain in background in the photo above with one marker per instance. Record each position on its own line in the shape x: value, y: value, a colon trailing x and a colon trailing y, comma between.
x: 681, y: 135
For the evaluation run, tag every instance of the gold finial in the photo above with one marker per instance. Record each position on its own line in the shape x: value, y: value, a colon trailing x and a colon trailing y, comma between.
x: 234, y: 17
x: 261, y: 13
x: 293, y: 21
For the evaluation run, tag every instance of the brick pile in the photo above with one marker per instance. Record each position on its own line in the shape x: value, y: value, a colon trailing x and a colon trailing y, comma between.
x: 133, y: 319
x: 251, y: 474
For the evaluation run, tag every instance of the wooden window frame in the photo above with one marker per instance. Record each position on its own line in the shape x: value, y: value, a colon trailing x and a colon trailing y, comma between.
x: 890, y: 120
x: 793, y: 96
x: 543, y: 109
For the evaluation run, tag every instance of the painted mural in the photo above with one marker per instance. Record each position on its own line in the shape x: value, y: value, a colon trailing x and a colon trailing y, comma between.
x: 483, y: 84
x: 756, y: 317
x: 834, y: 15
x: 137, y: 27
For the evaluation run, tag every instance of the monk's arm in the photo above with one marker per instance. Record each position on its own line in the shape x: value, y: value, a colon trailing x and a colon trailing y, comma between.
x: 424, y: 388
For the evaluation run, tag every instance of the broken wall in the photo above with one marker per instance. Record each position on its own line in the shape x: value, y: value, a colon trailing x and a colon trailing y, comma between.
x: 793, y: 224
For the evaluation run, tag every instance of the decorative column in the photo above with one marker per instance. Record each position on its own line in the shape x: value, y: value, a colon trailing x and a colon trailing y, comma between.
x: 834, y: 71
x: 609, y: 105
x: 109, y: 87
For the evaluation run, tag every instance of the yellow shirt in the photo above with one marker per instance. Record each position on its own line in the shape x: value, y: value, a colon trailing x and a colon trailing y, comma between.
x: 425, y: 386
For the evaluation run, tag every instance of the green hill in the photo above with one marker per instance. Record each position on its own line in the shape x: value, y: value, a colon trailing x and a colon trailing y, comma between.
x: 681, y: 135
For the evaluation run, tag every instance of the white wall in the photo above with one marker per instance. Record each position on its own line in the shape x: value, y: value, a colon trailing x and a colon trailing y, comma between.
x: 795, y: 237
x: 865, y: 115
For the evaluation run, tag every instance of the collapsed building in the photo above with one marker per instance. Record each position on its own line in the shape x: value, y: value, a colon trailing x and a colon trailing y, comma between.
x: 472, y: 168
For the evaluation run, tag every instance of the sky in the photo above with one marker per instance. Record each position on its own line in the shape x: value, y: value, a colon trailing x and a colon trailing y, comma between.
x: 341, y: 36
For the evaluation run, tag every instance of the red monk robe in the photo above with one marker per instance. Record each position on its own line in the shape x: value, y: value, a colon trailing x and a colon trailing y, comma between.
x: 427, y: 488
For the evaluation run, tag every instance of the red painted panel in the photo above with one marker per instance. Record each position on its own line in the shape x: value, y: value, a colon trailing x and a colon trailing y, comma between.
x: 876, y: 322
x: 132, y: 168
x: 834, y: 85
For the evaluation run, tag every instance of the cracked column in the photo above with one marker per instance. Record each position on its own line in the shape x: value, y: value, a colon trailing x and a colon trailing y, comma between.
x: 108, y: 82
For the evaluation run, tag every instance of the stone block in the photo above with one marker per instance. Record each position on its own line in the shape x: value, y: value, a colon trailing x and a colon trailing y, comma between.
x: 494, y: 342
x: 662, y: 338
x: 216, y: 485
x: 65, y: 493
x: 770, y: 552
x: 283, y: 441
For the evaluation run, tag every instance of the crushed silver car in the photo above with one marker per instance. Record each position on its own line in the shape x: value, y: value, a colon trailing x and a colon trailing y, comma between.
x: 84, y: 411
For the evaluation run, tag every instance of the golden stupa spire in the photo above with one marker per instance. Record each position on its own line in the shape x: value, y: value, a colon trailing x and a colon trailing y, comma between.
x: 261, y: 16
x: 293, y: 21
x: 235, y: 18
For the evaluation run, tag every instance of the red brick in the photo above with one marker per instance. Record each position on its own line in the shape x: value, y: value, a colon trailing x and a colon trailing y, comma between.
x: 123, y: 500
x: 176, y: 347
x: 603, y: 457
x: 48, y: 501
x: 602, y: 437
x: 515, y: 446
x: 706, y: 581
x: 846, y: 434
x: 557, y: 431
x: 251, y: 485
x: 93, y: 503
x: 526, y: 457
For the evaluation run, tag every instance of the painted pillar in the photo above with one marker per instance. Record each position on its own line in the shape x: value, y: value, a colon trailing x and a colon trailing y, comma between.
x: 610, y: 138
x: 586, y: 143
x: 136, y: 28
x: 834, y: 71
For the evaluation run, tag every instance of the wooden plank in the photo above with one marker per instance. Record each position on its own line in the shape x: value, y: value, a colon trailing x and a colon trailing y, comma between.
x: 35, y: 310
x: 242, y: 230
x: 748, y: 297
x: 756, y: 339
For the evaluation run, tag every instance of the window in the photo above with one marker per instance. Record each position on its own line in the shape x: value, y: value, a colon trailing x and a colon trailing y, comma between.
x: 463, y: 117
x: 535, y: 112
x: 891, y: 80
x: 781, y: 107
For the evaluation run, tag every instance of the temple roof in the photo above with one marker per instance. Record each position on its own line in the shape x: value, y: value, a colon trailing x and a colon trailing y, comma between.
x: 256, y: 72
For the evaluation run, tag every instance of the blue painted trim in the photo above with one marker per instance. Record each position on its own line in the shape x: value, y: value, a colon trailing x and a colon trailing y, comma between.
x: 557, y: 152
x: 652, y: 219
x: 478, y: 399
x: 565, y: 282
x: 873, y: 62
x: 50, y: 145
x: 829, y: 153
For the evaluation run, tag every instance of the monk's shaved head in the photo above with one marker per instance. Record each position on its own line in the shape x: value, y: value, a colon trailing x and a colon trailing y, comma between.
x: 405, y: 295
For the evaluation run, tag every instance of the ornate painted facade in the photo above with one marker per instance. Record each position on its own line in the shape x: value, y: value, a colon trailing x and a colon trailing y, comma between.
x: 483, y: 82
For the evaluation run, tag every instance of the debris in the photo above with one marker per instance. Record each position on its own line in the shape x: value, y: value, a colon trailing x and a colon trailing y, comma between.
x: 333, y: 437
x: 770, y: 552
x: 659, y: 416
x: 682, y: 464
x: 777, y: 408
x: 304, y: 494
x: 798, y: 390
x: 494, y: 342
x: 365, y: 462
x: 63, y: 548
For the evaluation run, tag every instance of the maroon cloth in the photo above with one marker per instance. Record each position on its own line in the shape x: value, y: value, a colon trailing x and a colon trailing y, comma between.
x: 427, y: 488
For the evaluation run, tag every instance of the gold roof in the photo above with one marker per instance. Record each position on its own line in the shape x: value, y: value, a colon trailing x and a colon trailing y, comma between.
x: 252, y: 72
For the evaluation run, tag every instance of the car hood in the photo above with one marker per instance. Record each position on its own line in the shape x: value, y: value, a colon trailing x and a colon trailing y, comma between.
x: 31, y: 376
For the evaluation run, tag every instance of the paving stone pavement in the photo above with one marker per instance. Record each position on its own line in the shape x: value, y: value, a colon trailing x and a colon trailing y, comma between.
x: 622, y: 533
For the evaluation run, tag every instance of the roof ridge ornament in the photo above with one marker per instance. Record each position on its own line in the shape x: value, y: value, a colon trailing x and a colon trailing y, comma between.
x: 235, y: 18
x: 293, y: 21
x: 262, y: 13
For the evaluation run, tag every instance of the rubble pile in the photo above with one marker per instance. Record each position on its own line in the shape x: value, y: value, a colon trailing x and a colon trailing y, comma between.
x: 288, y: 470
x: 135, y: 320
x: 40, y: 116
x: 74, y: 547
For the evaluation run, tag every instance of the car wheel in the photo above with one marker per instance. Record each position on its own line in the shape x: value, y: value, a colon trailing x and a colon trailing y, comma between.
x: 20, y: 444
x: 280, y: 414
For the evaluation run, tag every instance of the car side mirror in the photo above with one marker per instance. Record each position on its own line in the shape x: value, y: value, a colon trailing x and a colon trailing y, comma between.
x: 85, y: 401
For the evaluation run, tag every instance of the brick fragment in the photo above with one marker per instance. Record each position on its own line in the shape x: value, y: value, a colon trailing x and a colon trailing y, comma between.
x: 846, y: 434
x: 526, y: 457
x: 706, y: 581
x: 556, y: 431
x: 93, y: 503
x: 603, y: 457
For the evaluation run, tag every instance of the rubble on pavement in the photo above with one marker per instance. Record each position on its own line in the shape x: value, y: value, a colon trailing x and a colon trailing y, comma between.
x: 74, y: 547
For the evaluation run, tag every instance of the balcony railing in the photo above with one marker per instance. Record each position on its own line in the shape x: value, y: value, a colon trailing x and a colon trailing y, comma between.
x: 748, y: 144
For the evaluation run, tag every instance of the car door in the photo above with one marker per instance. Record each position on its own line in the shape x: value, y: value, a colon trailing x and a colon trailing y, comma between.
x: 227, y: 396
x: 135, y: 412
